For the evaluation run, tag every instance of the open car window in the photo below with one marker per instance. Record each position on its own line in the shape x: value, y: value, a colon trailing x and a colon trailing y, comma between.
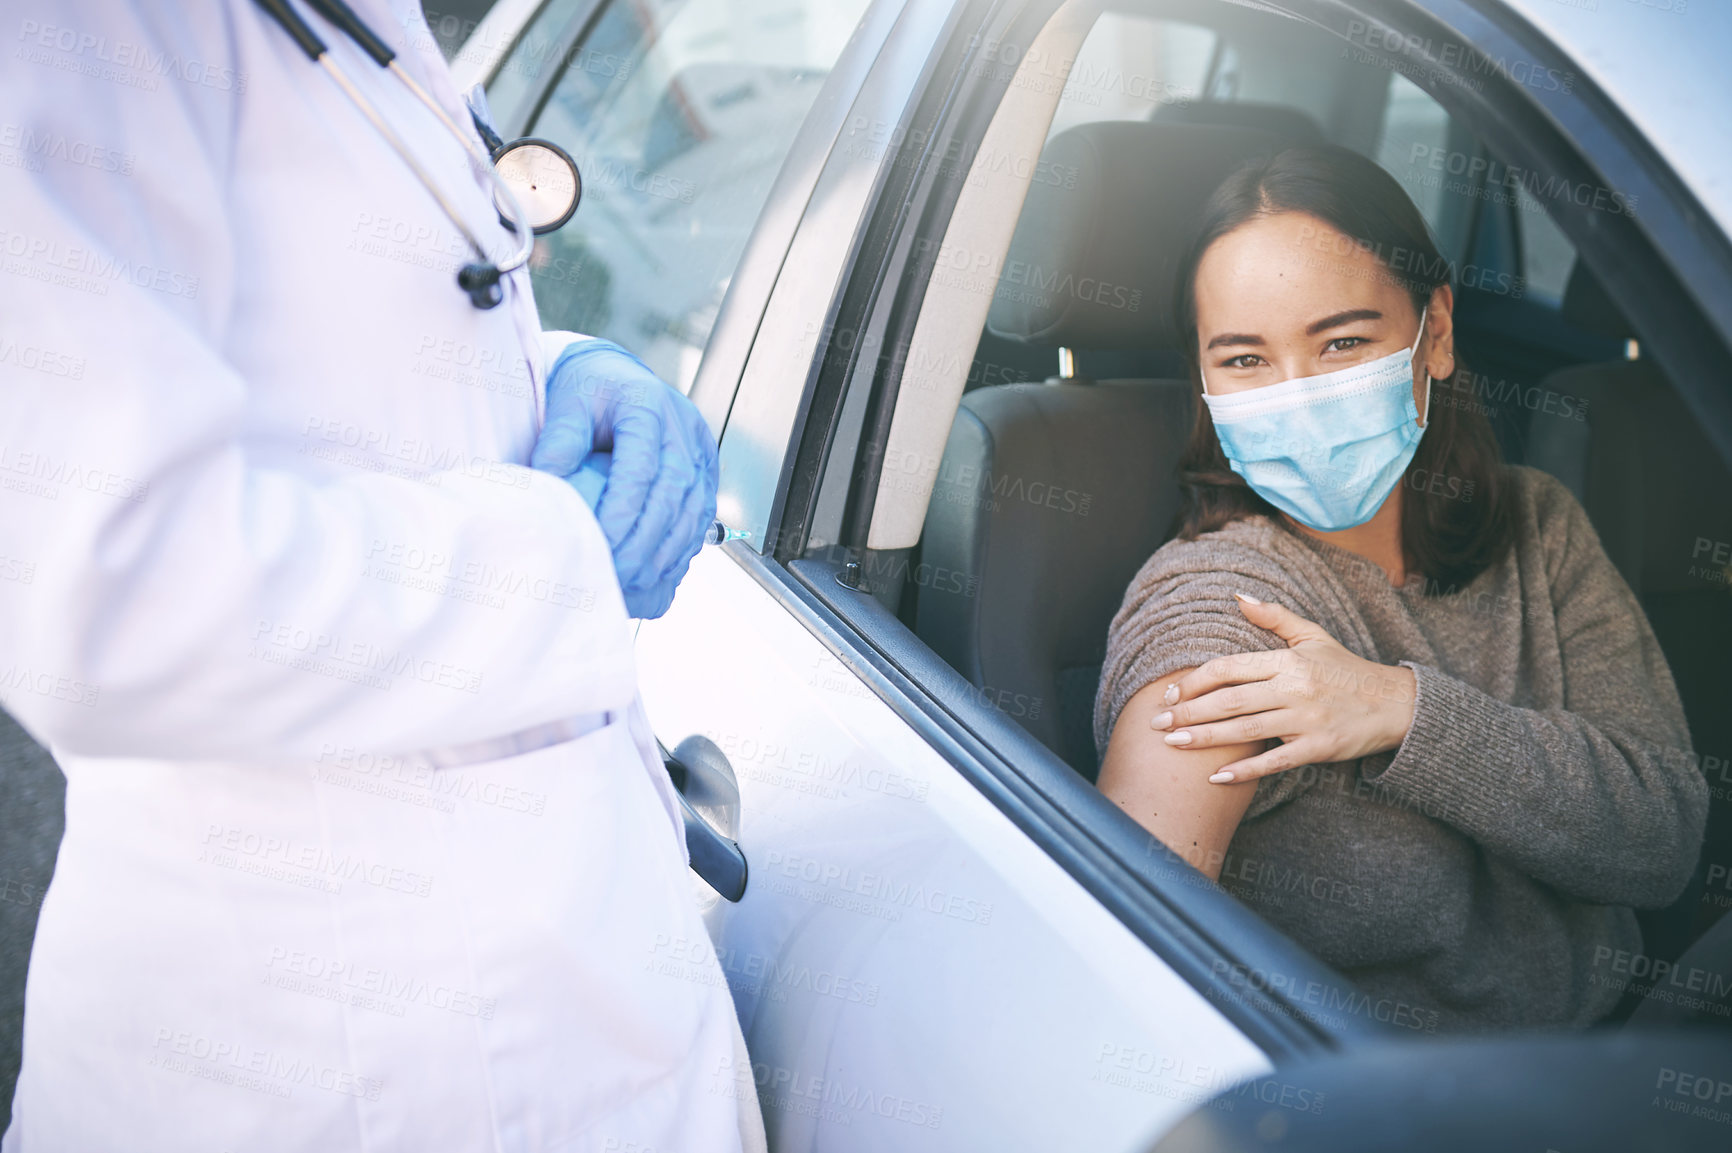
x: 679, y: 114
x: 1029, y: 537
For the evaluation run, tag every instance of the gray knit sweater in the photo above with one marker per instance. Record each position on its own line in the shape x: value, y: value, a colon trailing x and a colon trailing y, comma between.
x: 1484, y: 873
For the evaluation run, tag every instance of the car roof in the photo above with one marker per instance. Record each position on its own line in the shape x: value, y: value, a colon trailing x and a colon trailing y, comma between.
x: 1664, y: 63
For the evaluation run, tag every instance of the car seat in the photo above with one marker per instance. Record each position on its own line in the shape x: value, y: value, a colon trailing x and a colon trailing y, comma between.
x: 1656, y: 490
x: 1054, y: 494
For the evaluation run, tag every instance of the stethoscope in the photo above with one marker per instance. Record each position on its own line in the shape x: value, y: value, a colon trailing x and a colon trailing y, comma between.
x: 527, y: 170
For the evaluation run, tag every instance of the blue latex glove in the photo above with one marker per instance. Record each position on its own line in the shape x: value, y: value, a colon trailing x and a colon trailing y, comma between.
x: 591, y: 477
x: 657, y: 485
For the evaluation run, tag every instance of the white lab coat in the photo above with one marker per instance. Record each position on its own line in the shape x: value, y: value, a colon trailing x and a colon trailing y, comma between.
x: 303, y: 632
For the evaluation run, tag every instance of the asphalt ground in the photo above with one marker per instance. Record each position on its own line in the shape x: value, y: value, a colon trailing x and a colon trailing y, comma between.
x: 32, y: 815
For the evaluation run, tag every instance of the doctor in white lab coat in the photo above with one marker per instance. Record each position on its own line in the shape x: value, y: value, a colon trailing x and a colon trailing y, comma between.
x: 367, y: 843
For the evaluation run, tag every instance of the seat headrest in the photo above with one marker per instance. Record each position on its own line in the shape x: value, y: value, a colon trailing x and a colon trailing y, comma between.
x: 1092, y: 264
x: 1295, y: 128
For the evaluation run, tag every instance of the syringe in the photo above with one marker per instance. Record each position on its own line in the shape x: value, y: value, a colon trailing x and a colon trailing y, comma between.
x: 720, y: 533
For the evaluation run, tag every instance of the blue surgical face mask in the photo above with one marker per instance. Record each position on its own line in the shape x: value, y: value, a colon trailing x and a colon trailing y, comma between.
x: 1326, y: 450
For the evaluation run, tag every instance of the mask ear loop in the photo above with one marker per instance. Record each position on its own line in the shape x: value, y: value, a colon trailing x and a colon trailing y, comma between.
x: 1425, y: 413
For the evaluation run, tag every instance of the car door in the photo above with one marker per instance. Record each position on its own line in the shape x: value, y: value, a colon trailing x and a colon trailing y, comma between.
x: 937, y: 946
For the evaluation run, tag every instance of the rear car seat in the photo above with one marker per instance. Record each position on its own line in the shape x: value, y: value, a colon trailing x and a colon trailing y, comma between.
x: 1054, y: 494
x: 1660, y: 498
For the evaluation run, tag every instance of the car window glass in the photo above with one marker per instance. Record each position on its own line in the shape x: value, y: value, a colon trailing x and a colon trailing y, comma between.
x: 1440, y: 165
x: 1415, y: 127
x: 453, y: 23
x: 1548, y: 257
x: 679, y: 114
x: 1129, y: 66
x: 522, y: 76
x: 1478, y: 207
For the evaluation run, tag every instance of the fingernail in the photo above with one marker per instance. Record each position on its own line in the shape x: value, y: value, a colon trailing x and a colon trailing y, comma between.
x: 1179, y: 738
x: 1221, y: 778
x: 1248, y: 598
x: 1163, y: 721
x: 1171, y: 696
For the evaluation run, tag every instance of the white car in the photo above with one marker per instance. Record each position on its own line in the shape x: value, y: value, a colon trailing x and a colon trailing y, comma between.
x: 806, y: 213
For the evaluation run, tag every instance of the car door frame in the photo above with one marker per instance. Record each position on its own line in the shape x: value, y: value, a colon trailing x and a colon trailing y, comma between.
x: 1195, y: 927
x: 1668, y: 268
x: 1203, y: 933
x: 1259, y: 979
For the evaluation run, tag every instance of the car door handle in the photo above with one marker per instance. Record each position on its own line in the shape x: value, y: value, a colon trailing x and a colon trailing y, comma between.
x: 709, y: 796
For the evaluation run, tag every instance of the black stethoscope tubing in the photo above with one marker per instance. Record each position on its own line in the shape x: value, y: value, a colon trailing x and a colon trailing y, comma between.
x: 480, y: 278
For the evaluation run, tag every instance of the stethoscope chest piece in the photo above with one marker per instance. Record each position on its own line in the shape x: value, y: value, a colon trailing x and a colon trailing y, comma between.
x: 544, y: 179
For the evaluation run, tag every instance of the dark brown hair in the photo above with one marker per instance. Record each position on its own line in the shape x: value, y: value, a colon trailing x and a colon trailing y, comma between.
x: 1450, y: 538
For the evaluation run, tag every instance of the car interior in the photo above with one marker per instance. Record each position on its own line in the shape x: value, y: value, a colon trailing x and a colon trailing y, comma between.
x: 1092, y: 399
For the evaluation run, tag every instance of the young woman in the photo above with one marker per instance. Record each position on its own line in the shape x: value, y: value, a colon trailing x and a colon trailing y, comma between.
x: 1387, y: 690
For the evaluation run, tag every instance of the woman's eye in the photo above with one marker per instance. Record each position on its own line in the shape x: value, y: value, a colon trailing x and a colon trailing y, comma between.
x: 1344, y: 343
x: 1246, y: 360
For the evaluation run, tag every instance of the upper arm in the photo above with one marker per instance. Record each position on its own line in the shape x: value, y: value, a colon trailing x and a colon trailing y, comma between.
x: 1167, y: 789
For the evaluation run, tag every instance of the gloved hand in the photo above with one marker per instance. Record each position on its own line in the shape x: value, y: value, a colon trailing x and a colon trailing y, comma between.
x: 658, y: 484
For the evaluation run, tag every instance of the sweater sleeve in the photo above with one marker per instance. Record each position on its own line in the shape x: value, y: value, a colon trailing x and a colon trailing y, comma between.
x: 1601, y: 798
x: 1180, y: 612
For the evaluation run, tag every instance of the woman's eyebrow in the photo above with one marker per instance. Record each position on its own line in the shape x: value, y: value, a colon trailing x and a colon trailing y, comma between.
x: 1235, y: 338
x: 1341, y: 318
